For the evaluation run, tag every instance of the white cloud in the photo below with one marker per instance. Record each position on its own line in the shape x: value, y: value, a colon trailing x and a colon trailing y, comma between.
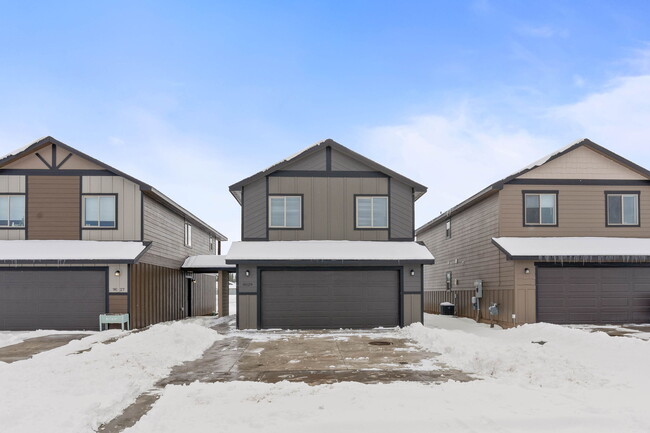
x: 542, y: 31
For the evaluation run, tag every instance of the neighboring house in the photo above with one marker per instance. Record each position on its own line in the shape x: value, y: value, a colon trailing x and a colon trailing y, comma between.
x: 328, y: 242
x: 565, y: 240
x: 79, y: 238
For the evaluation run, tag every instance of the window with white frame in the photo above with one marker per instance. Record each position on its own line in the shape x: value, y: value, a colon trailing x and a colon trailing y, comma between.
x: 211, y: 243
x: 12, y: 211
x: 622, y: 209
x: 540, y: 209
x: 188, y: 234
x: 285, y: 211
x: 372, y: 212
x: 99, y: 211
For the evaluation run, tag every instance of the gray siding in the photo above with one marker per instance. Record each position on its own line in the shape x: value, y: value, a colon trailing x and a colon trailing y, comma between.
x: 247, y: 314
x: 341, y: 162
x: 329, y: 207
x: 128, y: 207
x: 401, y: 210
x: 315, y: 161
x: 254, y: 210
x: 166, y: 230
x: 412, y: 309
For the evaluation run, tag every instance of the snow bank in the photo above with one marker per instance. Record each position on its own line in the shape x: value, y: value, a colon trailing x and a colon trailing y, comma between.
x: 66, y: 391
x: 9, y: 338
x: 567, y: 356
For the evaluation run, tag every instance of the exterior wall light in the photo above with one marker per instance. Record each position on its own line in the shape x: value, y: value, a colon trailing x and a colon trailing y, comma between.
x: 526, y: 271
x: 248, y: 273
x: 412, y: 273
x: 117, y: 273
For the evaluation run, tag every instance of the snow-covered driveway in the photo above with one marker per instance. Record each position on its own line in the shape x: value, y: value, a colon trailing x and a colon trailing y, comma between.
x: 575, y: 381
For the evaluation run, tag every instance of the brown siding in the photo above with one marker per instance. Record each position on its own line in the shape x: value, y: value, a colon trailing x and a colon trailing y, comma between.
x: 118, y: 304
x: 166, y: 229
x: 470, y: 255
x: 53, y: 207
x: 159, y: 294
x: 329, y: 208
x: 581, y: 211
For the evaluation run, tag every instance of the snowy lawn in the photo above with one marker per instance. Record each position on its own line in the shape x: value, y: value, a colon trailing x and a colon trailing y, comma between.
x: 9, y: 338
x: 63, y: 390
x: 576, y: 381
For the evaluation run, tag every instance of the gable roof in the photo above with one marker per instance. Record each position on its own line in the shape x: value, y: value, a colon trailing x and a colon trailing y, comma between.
x: 235, y: 189
x: 146, y: 189
x: 498, y: 185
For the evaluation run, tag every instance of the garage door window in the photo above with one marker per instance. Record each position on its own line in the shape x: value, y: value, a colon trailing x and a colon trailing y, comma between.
x: 99, y: 211
x: 540, y: 209
x: 12, y: 211
x: 372, y: 212
x: 622, y: 209
x: 285, y: 211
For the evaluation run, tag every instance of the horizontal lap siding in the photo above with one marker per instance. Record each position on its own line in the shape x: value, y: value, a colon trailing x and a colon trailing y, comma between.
x: 53, y: 207
x: 470, y: 255
x: 118, y: 303
x: 581, y: 211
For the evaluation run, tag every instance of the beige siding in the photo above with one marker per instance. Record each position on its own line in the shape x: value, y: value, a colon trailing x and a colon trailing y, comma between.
x: 166, y: 231
x: 31, y: 161
x: 581, y: 211
x: 412, y: 309
x: 582, y: 163
x: 525, y: 292
x: 247, y: 311
x: 128, y: 207
x: 53, y: 207
x: 329, y: 207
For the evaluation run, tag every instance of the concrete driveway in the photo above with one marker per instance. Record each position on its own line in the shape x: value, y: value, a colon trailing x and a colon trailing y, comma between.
x: 312, y: 357
x: 33, y: 346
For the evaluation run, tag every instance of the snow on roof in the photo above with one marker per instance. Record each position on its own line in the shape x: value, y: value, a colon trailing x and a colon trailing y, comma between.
x: 328, y: 251
x: 580, y: 247
x: 61, y: 251
x: 21, y: 149
x: 210, y: 261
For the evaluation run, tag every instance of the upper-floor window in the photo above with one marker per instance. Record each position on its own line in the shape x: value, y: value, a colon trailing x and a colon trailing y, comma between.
x: 540, y: 208
x: 99, y: 211
x: 372, y: 212
x: 188, y: 234
x: 285, y: 211
x: 12, y: 210
x: 622, y: 208
x: 448, y: 229
x: 211, y: 243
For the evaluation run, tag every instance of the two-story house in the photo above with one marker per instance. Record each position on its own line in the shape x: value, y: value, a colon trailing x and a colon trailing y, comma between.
x: 328, y: 242
x: 79, y: 238
x: 565, y: 240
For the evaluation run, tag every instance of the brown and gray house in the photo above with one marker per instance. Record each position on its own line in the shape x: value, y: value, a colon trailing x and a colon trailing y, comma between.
x: 565, y: 240
x: 328, y: 242
x: 79, y: 238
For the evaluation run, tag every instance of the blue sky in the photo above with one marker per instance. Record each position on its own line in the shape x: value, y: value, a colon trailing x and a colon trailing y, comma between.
x: 194, y: 96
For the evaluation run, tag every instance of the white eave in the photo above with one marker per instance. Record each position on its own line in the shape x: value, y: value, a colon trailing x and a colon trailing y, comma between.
x: 575, y: 248
x: 71, y: 252
x: 329, y: 252
x: 207, y: 263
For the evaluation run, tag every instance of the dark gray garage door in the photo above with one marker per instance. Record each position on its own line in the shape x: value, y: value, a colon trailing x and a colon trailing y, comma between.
x: 598, y: 295
x: 51, y: 299
x: 329, y: 299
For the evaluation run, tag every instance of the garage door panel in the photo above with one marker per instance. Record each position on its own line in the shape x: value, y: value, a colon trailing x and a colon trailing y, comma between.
x: 597, y: 295
x: 329, y: 299
x: 51, y: 298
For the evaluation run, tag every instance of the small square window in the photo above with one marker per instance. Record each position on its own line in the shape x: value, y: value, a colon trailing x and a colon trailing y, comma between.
x: 622, y: 208
x: 540, y: 209
x: 285, y: 211
x: 372, y: 212
x: 12, y: 211
x: 99, y: 211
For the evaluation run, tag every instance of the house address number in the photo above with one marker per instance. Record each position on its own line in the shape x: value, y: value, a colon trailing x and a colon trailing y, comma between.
x: 117, y: 290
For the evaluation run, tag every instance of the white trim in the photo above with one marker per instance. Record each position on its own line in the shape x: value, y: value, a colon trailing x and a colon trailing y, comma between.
x: 372, y: 212
x: 284, y: 199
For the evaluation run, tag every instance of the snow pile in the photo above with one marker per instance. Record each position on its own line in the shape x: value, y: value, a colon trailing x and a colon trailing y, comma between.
x: 66, y: 391
x: 539, y: 354
x: 9, y: 338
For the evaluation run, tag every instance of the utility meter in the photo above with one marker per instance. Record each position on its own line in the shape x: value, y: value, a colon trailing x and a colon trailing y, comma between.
x: 478, y: 288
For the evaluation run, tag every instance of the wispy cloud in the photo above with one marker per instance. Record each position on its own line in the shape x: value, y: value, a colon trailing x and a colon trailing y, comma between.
x: 542, y: 31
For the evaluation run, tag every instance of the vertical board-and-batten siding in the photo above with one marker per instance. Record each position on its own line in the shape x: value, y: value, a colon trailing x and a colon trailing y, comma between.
x: 53, y: 207
x: 128, y: 207
x: 254, y: 208
x: 166, y: 230
x: 329, y: 207
x: 12, y: 184
x: 159, y: 294
x: 401, y: 210
x: 470, y: 255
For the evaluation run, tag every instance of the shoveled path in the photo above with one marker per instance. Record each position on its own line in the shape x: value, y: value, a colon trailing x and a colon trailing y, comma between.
x: 312, y: 357
x: 33, y: 346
